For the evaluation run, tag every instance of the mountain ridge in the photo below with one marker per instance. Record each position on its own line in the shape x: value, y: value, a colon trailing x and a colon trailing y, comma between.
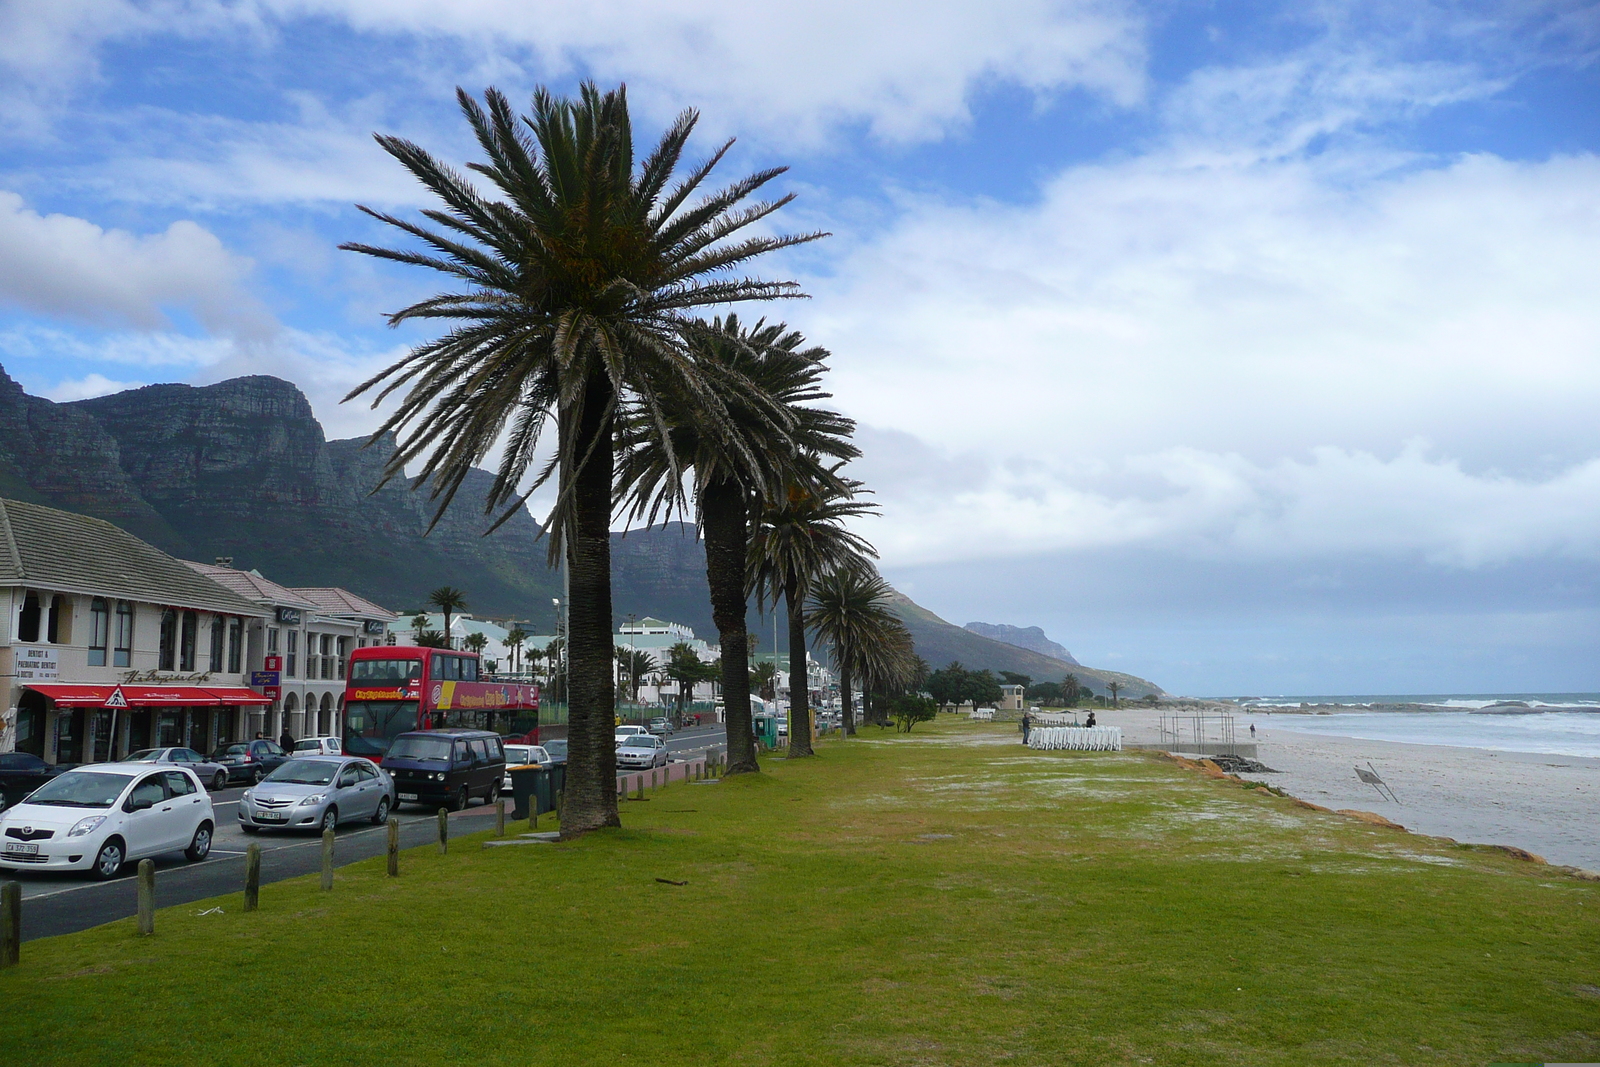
x: 1031, y: 638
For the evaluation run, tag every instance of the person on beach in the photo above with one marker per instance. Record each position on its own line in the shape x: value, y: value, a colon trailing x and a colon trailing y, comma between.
x: 1252, y: 731
x: 1090, y: 720
x: 1027, y: 723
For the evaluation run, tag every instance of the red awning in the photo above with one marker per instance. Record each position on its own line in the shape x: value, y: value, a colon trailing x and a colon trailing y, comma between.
x: 76, y: 696
x: 239, y: 695
x: 151, y: 696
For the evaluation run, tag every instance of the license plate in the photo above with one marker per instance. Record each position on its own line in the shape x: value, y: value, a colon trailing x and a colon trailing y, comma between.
x: 408, y: 796
x: 19, y: 848
x: 269, y: 816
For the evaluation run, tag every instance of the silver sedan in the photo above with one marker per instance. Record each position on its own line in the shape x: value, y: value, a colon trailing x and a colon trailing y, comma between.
x: 214, y: 775
x: 317, y: 793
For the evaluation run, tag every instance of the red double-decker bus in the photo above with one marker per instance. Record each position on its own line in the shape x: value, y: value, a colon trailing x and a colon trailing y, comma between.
x: 391, y: 689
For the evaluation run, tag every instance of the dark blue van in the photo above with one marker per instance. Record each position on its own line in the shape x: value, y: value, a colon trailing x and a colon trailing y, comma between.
x: 446, y: 768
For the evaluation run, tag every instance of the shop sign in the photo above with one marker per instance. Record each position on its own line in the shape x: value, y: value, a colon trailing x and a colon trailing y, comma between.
x: 372, y: 626
x: 260, y: 678
x: 271, y: 692
x: 273, y: 663
x: 37, y: 665
x: 291, y: 616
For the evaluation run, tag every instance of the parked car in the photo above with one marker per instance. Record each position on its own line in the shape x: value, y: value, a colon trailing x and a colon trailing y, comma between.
x: 522, y: 756
x: 557, y: 750
x: 661, y: 726
x: 250, y: 761
x: 318, y: 746
x: 214, y: 775
x: 446, y: 767
x: 96, y: 818
x: 23, y: 772
x: 628, y: 731
x: 641, y: 750
x: 317, y: 793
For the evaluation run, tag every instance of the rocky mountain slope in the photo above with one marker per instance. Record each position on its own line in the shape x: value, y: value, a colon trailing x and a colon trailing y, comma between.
x: 242, y: 469
x: 1029, y: 637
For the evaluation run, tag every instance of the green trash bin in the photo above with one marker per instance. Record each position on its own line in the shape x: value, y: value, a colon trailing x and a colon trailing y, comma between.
x: 525, y: 788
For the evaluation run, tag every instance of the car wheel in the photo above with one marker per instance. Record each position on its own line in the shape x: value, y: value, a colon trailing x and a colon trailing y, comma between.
x: 381, y: 816
x: 247, y: 828
x: 494, y: 792
x: 330, y: 820
x: 258, y: 774
x: 220, y: 782
x: 200, y: 847
x: 461, y: 801
x: 108, y: 861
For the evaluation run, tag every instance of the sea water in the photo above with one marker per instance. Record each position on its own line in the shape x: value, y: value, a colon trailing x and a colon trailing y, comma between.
x: 1566, y: 724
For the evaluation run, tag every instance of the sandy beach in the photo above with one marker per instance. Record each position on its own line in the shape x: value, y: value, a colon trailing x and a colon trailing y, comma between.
x: 1546, y: 804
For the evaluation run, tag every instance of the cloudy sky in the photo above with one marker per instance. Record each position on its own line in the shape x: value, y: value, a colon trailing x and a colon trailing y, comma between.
x: 1252, y: 348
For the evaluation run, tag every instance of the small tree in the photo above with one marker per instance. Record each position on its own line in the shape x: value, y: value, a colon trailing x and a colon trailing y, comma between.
x: 475, y: 642
x: 1114, y: 687
x: 514, y: 641
x: 982, y: 687
x: 1045, y: 692
x: 448, y: 599
x: 948, y: 685
x: 764, y: 679
x: 686, y: 668
x: 909, y: 709
x: 431, y: 639
x: 1071, y: 691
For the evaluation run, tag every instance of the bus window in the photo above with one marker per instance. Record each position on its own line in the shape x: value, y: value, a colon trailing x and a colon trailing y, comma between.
x: 385, y: 670
x: 469, y: 670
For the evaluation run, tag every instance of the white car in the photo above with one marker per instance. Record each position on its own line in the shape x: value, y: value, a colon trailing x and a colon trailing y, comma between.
x: 522, y: 756
x: 318, y: 746
x: 622, y: 732
x: 641, y: 750
x: 97, y: 818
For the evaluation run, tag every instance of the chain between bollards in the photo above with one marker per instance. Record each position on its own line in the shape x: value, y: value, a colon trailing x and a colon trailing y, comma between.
x: 147, y: 897
x: 327, y: 860
x: 252, y: 878
x: 394, y: 847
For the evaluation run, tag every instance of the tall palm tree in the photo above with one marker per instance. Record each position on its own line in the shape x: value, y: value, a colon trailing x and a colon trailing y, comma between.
x: 636, y: 663
x: 729, y: 484
x: 850, y: 611
x: 764, y: 678
x: 799, y: 539
x: 579, y: 286
x: 515, y: 639
x: 475, y: 642
x: 448, y: 599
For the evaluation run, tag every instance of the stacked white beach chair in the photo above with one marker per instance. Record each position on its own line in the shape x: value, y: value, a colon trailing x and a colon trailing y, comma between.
x: 1076, y: 738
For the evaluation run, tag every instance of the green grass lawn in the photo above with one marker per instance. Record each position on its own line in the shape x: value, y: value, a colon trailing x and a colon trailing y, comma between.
x: 943, y: 898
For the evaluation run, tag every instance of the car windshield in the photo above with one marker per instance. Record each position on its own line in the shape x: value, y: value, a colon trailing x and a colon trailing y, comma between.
x: 639, y: 741
x: 231, y: 750
x: 304, y: 772
x: 308, y: 746
x: 146, y: 755
x: 556, y: 749
x: 420, y: 748
x: 519, y: 754
x: 81, y: 789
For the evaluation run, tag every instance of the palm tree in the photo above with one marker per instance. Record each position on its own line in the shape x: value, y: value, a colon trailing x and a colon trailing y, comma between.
x: 850, y: 611
x: 728, y: 487
x: 579, y: 287
x: 764, y: 679
x: 431, y: 639
x: 475, y: 642
x: 1114, y: 687
x: 636, y: 663
x: 515, y: 639
x: 797, y: 541
x: 448, y: 600
x: 685, y: 667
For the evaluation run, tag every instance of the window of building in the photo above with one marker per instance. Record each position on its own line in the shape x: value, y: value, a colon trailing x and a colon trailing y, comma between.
x: 330, y: 669
x: 236, y: 645
x: 272, y: 640
x: 344, y: 653
x: 99, y: 631
x: 219, y: 640
x: 28, y: 623
x: 167, y: 655
x: 122, y: 651
x: 289, y: 662
x: 191, y: 633
x: 58, y: 628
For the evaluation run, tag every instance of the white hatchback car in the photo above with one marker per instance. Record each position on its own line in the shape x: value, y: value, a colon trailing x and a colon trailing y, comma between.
x: 98, y: 817
x: 318, y: 746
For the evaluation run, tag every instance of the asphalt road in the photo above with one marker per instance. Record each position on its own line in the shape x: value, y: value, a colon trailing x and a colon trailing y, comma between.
x: 65, y: 903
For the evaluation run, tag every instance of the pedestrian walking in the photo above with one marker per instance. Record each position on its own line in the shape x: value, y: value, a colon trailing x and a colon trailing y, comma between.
x: 287, y: 740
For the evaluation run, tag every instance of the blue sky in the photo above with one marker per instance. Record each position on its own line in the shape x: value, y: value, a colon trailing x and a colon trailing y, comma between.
x: 1248, y: 347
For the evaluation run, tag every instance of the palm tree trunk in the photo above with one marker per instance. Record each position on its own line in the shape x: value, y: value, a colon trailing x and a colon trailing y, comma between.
x: 847, y: 714
x: 799, y: 687
x: 725, y: 522
x: 590, y: 800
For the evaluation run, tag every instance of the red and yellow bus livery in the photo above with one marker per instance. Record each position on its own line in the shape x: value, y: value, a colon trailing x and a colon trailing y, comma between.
x: 392, y: 689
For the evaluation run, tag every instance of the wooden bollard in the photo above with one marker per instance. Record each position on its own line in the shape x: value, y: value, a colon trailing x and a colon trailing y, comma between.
x: 639, y: 794
x: 10, y: 924
x: 252, y: 877
x: 499, y: 817
x: 444, y: 831
x: 147, y: 897
x: 327, y: 860
x: 394, y: 847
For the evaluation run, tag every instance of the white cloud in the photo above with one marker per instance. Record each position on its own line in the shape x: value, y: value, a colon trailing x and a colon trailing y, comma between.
x: 1212, y: 352
x: 89, y: 386
x: 64, y: 266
